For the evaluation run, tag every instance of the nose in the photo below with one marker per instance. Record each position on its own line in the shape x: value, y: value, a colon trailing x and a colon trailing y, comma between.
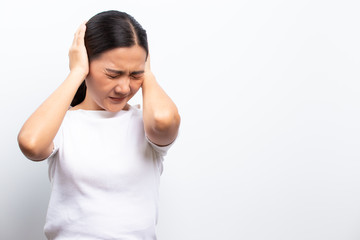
x: 122, y: 86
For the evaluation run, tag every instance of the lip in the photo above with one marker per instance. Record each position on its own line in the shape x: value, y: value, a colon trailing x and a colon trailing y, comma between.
x: 117, y: 99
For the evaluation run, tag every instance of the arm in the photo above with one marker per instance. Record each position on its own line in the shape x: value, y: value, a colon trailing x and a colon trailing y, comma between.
x: 37, y: 134
x: 160, y: 114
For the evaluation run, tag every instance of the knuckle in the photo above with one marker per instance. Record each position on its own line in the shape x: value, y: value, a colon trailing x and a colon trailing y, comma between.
x: 73, y: 50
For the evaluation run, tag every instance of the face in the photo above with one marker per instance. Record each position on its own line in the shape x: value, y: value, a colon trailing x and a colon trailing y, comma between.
x: 114, y: 78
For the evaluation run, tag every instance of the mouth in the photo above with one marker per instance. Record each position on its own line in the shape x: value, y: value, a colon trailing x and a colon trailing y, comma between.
x: 117, y: 99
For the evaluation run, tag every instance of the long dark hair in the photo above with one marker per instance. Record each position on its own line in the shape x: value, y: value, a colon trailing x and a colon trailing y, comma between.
x: 108, y: 30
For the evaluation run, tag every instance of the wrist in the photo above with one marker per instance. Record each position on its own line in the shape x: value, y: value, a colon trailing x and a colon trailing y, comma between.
x: 78, y: 74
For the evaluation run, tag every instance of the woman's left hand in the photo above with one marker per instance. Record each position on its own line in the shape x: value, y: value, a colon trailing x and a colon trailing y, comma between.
x: 147, y: 65
x: 160, y: 114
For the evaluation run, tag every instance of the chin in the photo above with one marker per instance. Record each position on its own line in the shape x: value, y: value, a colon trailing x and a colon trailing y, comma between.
x: 115, y: 108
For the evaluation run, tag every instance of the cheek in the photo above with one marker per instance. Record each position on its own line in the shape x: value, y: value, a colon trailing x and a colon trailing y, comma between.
x: 95, y: 78
x: 96, y: 86
x: 135, y: 85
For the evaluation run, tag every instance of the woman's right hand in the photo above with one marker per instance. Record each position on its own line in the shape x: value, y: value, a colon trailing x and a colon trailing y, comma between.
x: 38, y: 132
x: 78, y: 59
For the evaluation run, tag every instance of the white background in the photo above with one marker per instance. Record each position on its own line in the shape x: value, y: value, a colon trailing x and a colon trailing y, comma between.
x: 269, y: 95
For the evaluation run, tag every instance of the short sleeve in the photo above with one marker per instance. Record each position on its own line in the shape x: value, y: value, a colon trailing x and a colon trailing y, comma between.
x: 55, y: 150
x: 162, y: 150
x: 54, y: 154
x: 56, y: 143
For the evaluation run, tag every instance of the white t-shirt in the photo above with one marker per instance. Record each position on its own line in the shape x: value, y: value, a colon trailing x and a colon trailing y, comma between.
x: 105, y: 178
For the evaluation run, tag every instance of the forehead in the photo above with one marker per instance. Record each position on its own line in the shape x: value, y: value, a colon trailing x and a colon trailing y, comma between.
x: 122, y: 58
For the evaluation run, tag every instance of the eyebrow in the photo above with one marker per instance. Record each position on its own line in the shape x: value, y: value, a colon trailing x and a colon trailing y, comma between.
x: 119, y: 72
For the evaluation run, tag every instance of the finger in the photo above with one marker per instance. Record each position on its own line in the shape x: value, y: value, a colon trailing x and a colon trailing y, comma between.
x: 147, y: 63
x: 81, y: 34
x: 76, y: 34
x: 75, y: 37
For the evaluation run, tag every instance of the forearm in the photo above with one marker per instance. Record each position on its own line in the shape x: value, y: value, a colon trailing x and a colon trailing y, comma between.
x: 37, y: 134
x: 160, y: 114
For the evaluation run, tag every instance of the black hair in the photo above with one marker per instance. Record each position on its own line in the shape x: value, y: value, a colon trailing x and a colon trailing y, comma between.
x: 108, y: 30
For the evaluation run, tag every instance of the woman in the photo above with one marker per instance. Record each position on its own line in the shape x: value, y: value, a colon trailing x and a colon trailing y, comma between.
x: 105, y: 156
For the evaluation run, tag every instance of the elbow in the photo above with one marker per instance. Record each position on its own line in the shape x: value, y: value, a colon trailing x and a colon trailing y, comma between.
x: 166, y: 121
x: 162, y: 126
x: 30, y: 148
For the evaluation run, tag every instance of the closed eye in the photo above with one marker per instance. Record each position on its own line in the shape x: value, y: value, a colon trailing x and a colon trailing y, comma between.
x: 112, y: 77
x: 136, y: 76
x: 114, y: 74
